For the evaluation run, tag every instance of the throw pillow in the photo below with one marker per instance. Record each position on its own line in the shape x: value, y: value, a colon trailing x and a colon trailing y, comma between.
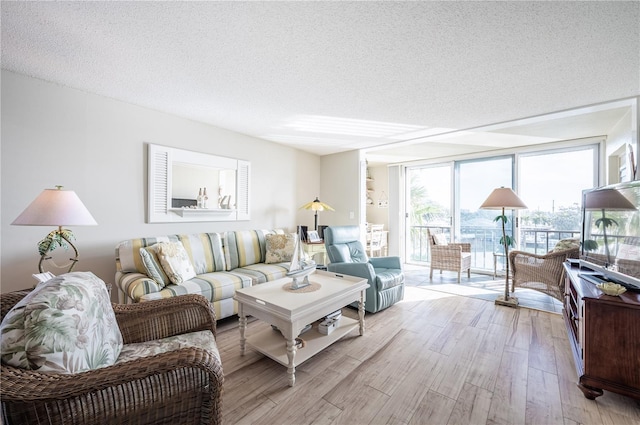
x: 280, y: 247
x: 65, y: 325
x: 564, y: 244
x: 152, y: 265
x: 175, y: 262
x: 440, y: 239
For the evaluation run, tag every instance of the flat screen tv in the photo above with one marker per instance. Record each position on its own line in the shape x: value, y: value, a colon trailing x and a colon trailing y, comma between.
x: 610, y: 237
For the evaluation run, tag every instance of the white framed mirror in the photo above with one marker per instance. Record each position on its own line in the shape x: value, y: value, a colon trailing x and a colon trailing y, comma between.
x: 177, y: 178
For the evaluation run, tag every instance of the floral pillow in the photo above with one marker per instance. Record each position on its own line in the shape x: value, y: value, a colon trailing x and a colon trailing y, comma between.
x: 152, y: 265
x: 65, y: 325
x: 280, y: 247
x: 175, y: 262
x: 564, y: 244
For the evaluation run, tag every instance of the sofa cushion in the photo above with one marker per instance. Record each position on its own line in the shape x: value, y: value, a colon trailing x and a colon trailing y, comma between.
x: 279, y: 247
x: 217, y: 287
x: 205, y: 251
x: 246, y: 247
x: 175, y: 262
x: 261, y: 272
x: 65, y: 325
x: 144, y: 350
x: 152, y: 265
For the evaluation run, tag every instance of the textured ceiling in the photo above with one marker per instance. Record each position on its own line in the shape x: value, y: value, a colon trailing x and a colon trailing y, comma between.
x: 333, y: 76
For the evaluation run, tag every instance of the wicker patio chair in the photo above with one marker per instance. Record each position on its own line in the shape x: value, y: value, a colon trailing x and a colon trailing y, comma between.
x: 178, y: 387
x: 543, y: 273
x: 454, y: 257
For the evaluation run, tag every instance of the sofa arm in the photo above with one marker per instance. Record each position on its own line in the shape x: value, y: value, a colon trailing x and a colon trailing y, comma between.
x: 364, y: 270
x: 164, y: 318
x: 386, y: 262
x: 132, y: 286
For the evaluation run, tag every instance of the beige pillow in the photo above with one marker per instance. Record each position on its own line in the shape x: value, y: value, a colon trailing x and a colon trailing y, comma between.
x: 440, y: 239
x: 280, y: 247
x: 175, y: 261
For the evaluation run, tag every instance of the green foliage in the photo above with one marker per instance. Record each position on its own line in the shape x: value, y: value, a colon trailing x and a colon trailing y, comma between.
x: 606, y: 222
x: 509, y: 240
x: 55, y: 239
x: 590, y: 245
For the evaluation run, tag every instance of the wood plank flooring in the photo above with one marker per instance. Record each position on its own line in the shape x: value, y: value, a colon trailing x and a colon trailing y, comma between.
x: 434, y: 358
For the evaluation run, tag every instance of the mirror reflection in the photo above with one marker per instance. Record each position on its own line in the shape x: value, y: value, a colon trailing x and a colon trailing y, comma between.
x: 194, y: 186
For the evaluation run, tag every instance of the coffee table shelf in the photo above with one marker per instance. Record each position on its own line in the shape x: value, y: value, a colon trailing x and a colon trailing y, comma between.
x: 272, y: 344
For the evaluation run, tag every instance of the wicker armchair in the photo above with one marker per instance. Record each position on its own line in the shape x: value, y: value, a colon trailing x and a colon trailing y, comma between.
x: 543, y: 273
x: 182, y: 386
x: 454, y: 257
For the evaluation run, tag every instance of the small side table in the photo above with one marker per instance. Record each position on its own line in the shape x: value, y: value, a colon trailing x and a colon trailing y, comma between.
x: 315, y: 248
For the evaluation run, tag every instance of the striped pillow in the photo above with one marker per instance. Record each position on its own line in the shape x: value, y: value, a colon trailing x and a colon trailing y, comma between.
x: 152, y: 265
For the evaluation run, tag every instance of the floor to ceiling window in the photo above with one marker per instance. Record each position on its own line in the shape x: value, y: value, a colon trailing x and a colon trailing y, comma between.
x: 476, y: 180
x: 429, y: 205
x: 448, y: 196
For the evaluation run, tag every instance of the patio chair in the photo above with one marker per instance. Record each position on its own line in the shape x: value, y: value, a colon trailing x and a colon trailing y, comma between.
x: 543, y: 273
x: 455, y: 257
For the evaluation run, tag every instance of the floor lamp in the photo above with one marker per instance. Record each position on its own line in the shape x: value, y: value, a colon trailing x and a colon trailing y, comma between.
x: 316, y: 205
x: 500, y: 199
x: 56, y: 207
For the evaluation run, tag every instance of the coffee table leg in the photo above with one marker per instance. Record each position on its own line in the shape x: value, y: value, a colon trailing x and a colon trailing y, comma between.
x: 243, y: 326
x: 361, y: 312
x: 291, y: 355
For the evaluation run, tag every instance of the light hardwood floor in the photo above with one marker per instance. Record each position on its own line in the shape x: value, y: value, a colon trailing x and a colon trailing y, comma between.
x: 433, y: 358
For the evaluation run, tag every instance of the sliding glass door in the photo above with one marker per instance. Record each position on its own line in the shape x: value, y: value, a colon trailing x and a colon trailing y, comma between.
x: 551, y: 185
x: 448, y: 196
x: 476, y: 180
x: 429, y: 204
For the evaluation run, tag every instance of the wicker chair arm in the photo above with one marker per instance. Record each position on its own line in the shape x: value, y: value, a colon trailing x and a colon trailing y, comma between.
x: 452, y: 249
x: 22, y: 385
x: 163, y: 318
x: 466, y: 247
x: 523, y: 256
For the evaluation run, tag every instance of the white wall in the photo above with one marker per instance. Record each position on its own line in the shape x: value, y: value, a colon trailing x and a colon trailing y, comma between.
x: 619, y: 141
x: 342, y: 188
x: 52, y: 135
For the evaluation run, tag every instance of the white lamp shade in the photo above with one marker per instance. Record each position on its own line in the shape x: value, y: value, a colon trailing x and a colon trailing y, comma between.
x: 56, y: 207
x: 607, y: 199
x: 503, y: 197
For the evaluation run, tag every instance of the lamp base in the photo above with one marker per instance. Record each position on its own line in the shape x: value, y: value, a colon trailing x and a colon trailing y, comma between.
x: 508, y: 302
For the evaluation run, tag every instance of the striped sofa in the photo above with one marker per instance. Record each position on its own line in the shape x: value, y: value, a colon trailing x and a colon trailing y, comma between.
x: 223, y: 263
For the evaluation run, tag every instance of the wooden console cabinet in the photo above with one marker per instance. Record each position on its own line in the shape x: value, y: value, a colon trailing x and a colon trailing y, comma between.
x: 604, y: 333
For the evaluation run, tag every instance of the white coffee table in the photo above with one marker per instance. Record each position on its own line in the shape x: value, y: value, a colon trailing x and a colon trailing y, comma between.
x: 290, y: 312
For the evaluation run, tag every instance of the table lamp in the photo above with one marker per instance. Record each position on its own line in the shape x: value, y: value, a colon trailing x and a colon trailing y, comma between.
x: 500, y: 199
x: 56, y: 207
x: 316, y: 206
x: 609, y: 200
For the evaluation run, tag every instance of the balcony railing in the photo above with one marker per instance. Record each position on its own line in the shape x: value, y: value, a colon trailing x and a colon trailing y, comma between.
x: 486, y: 241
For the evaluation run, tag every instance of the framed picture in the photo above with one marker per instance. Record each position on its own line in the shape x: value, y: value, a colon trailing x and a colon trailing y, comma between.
x: 313, y: 236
